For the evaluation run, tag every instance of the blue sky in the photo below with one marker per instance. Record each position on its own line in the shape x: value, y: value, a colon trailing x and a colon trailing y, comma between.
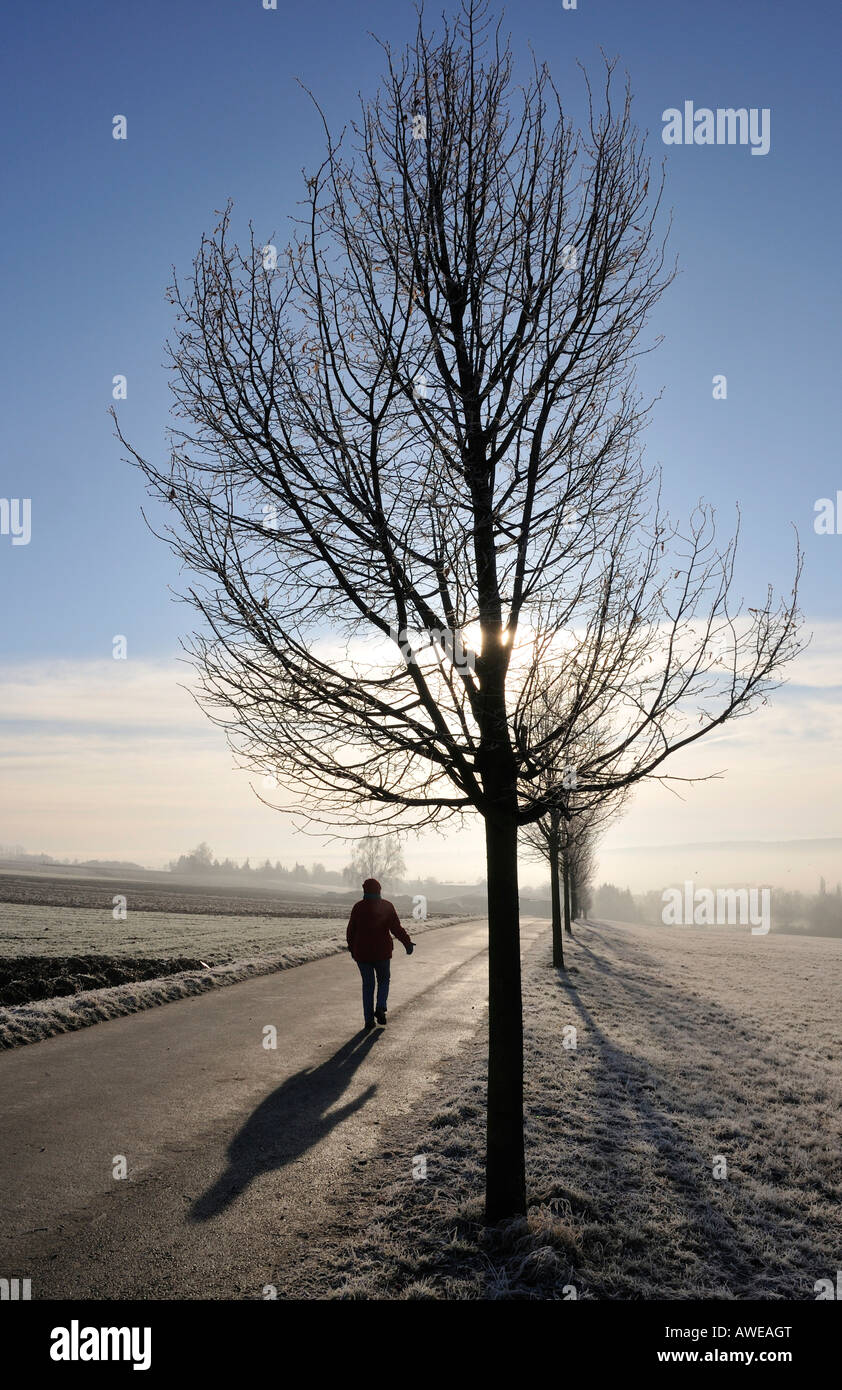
x: 93, y: 225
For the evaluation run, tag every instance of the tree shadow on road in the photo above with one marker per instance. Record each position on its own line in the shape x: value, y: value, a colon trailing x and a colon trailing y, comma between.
x: 288, y: 1123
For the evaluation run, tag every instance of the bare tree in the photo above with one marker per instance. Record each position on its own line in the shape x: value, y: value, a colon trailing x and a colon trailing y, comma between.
x: 658, y: 658
x: 580, y: 857
x: 402, y: 452
x: 577, y: 858
x: 565, y: 838
x: 376, y: 856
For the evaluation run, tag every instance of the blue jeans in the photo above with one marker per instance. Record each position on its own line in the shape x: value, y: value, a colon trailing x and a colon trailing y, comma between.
x: 371, y: 970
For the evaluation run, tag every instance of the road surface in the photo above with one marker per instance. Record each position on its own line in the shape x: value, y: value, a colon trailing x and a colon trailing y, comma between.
x: 232, y: 1149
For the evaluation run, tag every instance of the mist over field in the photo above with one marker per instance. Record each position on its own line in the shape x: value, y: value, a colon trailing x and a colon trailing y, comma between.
x: 790, y: 865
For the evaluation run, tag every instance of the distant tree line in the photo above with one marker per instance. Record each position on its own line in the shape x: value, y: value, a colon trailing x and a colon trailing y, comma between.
x: 15, y: 854
x: 201, y: 861
x: 793, y: 913
x: 616, y: 904
x: 377, y: 857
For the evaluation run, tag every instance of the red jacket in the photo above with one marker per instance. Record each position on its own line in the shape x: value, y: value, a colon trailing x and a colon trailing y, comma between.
x: 372, y: 925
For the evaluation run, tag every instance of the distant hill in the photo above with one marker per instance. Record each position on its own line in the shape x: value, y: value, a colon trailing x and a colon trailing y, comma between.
x: 15, y: 857
x: 792, y: 864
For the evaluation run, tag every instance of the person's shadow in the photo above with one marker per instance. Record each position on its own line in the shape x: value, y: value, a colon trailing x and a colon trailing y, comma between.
x: 287, y: 1123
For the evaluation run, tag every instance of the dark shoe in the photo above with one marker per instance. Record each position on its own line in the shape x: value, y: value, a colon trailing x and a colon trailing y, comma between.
x: 381, y: 1017
x: 368, y: 1025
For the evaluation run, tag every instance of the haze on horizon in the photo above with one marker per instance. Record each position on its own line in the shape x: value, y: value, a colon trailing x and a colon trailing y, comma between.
x: 105, y: 758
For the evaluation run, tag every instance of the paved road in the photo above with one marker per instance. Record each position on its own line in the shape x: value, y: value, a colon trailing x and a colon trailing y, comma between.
x: 232, y: 1149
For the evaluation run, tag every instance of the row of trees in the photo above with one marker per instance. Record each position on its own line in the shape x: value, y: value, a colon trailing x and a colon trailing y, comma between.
x: 809, y: 914
x: 201, y: 861
x: 378, y: 857
x: 424, y: 418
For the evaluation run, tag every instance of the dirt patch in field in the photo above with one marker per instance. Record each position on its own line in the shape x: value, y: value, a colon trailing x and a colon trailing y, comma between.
x: 24, y: 979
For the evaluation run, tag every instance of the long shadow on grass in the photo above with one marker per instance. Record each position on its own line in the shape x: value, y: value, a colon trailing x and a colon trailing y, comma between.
x: 676, y: 1006
x: 288, y: 1123
x: 619, y: 946
x: 712, y: 1235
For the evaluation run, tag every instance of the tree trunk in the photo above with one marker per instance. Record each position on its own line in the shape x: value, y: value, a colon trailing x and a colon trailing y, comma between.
x: 505, y: 1179
x: 558, y: 939
x: 574, y: 902
x: 565, y: 873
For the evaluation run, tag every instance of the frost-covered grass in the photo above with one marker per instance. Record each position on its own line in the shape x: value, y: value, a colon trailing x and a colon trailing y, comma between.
x: 692, y: 1047
x: 27, y: 929
x: 234, y: 948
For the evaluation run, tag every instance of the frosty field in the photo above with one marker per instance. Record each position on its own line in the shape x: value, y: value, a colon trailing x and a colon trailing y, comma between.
x: 27, y: 929
x: 64, y: 965
x: 697, y: 1053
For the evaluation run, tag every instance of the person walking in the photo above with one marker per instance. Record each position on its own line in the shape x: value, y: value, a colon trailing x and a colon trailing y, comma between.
x: 371, y: 926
